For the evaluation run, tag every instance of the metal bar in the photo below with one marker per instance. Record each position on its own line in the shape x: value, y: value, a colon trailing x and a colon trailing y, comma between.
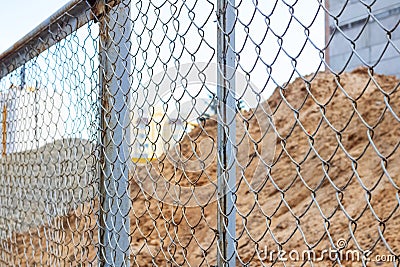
x: 226, y: 216
x: 115, y: 68
x: 66, y: 20
x: 327, y: 34
x: 4, y: 130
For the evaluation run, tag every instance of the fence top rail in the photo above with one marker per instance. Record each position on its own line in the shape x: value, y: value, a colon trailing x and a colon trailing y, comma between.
x: 63, y: 22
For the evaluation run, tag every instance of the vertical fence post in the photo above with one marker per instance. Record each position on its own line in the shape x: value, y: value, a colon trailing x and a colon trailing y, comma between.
x: 115, y: 66
x: 226, y: 171
x: 327, y: 33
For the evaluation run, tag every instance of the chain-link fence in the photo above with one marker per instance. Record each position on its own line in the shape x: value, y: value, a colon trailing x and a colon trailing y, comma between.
x: 203, y: 133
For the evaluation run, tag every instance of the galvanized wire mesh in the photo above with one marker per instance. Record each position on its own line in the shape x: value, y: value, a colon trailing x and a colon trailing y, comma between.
x: 206, y: 133
x: 48, y: 164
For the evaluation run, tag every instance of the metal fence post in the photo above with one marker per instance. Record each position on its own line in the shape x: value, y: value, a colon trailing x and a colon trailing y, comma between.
x: 115, y: 66
x: 226, y: 172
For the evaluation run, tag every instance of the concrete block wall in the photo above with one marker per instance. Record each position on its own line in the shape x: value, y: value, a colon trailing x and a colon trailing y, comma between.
x: 362, y: 41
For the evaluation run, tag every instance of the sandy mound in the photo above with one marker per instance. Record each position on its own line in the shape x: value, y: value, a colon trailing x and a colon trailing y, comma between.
x: 334, y: 175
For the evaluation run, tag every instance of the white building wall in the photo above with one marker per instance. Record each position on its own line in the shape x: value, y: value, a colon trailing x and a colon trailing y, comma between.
x: 35, y: 118
x: 377, y: 45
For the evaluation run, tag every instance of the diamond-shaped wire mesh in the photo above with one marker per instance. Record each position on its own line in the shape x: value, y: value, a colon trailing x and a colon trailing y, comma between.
x: 48, y: 164
x: 205, y: 133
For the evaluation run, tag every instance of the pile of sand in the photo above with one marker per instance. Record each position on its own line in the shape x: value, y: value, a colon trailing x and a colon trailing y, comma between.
x: 333, y: 176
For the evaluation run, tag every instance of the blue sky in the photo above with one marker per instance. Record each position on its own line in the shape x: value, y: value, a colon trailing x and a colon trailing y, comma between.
x: 18, y: 17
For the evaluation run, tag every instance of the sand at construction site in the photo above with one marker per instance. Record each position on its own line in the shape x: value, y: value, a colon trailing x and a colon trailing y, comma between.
x: 316, y: 192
